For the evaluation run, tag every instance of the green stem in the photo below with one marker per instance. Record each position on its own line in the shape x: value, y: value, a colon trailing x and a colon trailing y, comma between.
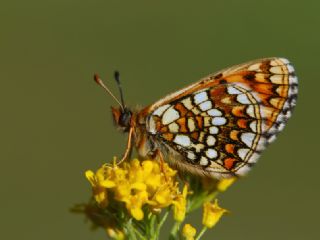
x: 203, y: 230
x: 137, y: 232
x: 152, y: 233
x: 174, y: 231
x: 131, y: 231
x: 164, y: 218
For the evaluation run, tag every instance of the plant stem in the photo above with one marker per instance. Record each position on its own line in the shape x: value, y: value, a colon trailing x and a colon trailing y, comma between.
x: 131, y: 231
x: 201, y: 233
x: 174, y: 231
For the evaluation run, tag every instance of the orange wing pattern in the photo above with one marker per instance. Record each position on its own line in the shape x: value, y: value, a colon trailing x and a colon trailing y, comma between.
x: 221, y: 124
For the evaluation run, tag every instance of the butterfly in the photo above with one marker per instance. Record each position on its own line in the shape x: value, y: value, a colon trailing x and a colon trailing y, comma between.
x: 218, y: 126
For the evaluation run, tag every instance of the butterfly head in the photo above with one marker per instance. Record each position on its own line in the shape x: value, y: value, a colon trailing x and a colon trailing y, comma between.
x: 122, y: 118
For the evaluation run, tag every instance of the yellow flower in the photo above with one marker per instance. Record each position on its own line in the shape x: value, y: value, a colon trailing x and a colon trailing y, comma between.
x: 225, y: 183
x: 99, y: 185
x: 180, y: 203
x: 189, y: 232
x: 115, y: 233
x: 212, y: 213
x: 135, y: 203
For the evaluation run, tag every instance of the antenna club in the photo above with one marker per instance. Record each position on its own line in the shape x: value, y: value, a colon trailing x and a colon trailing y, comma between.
x: 116, y: 75
x: 96, y: 78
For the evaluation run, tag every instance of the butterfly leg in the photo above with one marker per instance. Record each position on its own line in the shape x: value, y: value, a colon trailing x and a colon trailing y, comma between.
x: 157, y: 155
x: 128, y: 148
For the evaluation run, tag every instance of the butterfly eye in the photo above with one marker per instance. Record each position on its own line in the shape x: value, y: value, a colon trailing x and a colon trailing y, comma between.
x: 124, y: 119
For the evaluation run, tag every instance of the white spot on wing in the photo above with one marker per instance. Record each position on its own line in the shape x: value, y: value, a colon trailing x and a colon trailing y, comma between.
x: 204, y: 161
x: 248, y: 138
x: 200, y: 97
x: 271, y: 139
x: 290, y: 68
x: 233, y: 90
x: 293, y: 79
x: 182, y: 140
x: 151, y: 127
x: 218, y: 121
x: 211, y: 140
x: 214, y: 112
x: 243, y: 170
x: 161, y: 109
x: 170, y: 115
x: 250, y: 111
x: 281, y: 126
x: 205, y: 105
x: 253, y: 126
x: 191, y: 155
x: 242, y: 152
x: 213, y: 130
x: 242, y: 98
x: 254, y: 158
x: 211, y: 153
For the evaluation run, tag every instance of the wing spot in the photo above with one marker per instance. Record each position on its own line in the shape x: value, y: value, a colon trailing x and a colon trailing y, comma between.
x: 213, y: 130
x: 248, y: 138
x: 214, y: 112
x: 200, y: 97
x: 211, y: 140
x: 173, y: 127
x: 242, y: 98
x: 205, y: 105
x: 233, y: 90
x: 204, y: 161
x: 243, y: 152
x: 170, y: 115
x: 182, y: 140
x: 161, y: 109
x: 211, y: 153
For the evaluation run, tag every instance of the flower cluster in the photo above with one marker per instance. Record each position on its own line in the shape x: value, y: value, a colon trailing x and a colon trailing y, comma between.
x: 138, y: 184
x: 133, y: 201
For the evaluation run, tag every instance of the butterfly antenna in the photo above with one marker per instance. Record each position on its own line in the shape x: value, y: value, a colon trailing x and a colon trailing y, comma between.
x: 98, y: 80
x: 117, y: 78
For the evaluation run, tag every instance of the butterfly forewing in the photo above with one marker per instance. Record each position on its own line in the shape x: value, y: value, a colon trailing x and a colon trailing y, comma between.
x: 221, y: 124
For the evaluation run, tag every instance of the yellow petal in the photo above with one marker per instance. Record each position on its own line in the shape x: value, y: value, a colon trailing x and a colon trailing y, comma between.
x: 147, y: 167
x: 108, y: 184
x: 101, y: 197
x: 212, y: 213
x: 179, y: 209
x: 139, y: 186
x: 115, y: 233
x: 137, y: 213
x: 225, y: 183
x: 188, y: 232
x: 91, y: 177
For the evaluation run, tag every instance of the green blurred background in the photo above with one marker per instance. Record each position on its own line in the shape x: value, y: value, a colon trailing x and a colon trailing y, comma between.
x: 56, y: 123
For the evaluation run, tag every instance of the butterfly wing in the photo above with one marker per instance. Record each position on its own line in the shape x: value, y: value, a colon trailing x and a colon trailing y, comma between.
x: 221, y: 124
